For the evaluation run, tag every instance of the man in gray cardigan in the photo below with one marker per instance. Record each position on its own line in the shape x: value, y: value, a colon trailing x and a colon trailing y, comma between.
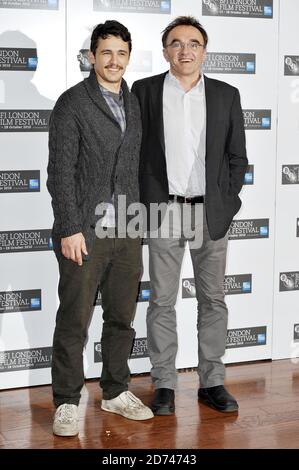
x: 94, y: 143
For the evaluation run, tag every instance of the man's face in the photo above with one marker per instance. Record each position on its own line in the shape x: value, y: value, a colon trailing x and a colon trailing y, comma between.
x: 184, y: 50
x: 111, y: 59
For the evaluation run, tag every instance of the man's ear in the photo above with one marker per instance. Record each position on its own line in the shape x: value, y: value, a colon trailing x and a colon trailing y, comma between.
x: 91, y: 58
x: 165, y: 55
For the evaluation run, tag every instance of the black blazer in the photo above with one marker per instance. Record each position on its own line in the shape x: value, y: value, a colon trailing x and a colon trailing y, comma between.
x: 226, y: 159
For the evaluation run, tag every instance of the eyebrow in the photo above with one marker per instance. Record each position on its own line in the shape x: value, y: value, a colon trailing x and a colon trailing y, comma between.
x: 119, y: 50
x: 191, y: 40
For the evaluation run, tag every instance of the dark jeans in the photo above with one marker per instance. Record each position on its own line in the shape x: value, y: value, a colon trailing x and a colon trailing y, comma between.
x: 115, y: 264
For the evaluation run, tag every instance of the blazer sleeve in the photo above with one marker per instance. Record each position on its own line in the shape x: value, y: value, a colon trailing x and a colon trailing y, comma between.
x: 236, y: 146
x: 64, y: 141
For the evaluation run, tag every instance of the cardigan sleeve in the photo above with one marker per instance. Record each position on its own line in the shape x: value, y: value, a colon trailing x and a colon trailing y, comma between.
x: 64, y: 139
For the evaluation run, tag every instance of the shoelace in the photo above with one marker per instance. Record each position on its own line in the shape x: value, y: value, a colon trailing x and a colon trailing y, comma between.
x: 132, y: 401
x: 66, y: 414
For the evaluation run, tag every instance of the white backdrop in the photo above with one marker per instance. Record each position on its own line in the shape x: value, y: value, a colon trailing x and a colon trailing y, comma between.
x: 254, y: 46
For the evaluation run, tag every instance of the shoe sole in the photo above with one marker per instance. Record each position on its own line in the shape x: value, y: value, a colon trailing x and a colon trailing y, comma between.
x: 124, y: 416
x: 65, y: 433
x: 163, y: 411
x: 209, y: 403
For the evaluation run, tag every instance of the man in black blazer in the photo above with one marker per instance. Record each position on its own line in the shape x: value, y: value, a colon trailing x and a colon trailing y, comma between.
x: 193, y: 157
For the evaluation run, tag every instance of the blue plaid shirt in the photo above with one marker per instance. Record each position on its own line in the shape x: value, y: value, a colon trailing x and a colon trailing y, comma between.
x: 115, y: 102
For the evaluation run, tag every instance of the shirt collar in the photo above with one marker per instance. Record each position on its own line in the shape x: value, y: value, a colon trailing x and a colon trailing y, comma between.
x: 110, y: 93
x: 198, y: 87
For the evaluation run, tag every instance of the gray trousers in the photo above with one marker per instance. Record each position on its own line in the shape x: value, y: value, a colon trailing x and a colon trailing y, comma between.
x: 165, y: 260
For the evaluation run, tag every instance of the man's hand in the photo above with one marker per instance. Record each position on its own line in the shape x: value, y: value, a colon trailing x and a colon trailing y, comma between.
x: 73, y: 246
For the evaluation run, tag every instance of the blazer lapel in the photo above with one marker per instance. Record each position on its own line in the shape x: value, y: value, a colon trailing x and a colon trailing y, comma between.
x: 211, y: 110
x: 157, y: 106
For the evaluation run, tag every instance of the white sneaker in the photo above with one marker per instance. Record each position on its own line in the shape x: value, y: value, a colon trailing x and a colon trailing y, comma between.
x: 66, y: 420
x: 127, y: 405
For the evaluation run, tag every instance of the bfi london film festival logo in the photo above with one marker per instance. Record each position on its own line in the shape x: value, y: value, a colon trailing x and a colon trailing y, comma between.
x: 229, y: 62
x: 249, y: 229
x: 20, y: 301
x: 24, y: 359
x: 291, y: 65
x: 133, y: 6
x: 290, y: 174
x: 288, y: 281
x: 144, y: 291
x: 232, y: 284
x: 237, y: 284
x: 245, y: 337
x: 17, y: 241
x: 18, y: 59
x: 19, y: 181
x: 140, y: 61
x: 30, y: 4
x: 255, y: 119
x: 237, y: 9
x: 249, y: 175
x: 22, y: 120
x: 139, y: 350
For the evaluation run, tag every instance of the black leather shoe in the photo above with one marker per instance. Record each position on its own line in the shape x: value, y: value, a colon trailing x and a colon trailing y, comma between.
x: 218, y: 398
x: 163, y: 402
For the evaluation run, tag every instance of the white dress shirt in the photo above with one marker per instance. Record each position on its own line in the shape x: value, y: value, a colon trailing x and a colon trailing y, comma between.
x: 184, y: 115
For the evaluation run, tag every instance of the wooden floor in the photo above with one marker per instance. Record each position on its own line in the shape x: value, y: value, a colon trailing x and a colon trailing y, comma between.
x: 267, y: 392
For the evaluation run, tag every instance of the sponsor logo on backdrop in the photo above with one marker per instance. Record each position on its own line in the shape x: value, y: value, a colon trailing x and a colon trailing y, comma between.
x: 17, y: 241
x: 188, y: 288
x: 245, y: 337
x: 24, y: 359
x: 232, y: 284
x: 98, y: 299
x: 139, y: 350
x: 249, y: 175
x: 237, y: 284
x: 140, y: 61
x: 296, y: 333
x: 20, y: 301
x: 239, y: 8
x: 289, y: 281
x: 17, y: 59
x: 229, y: 62
x: 82, y: 57
x: 290, y: 174
x: 19, y: 181
x: 133, y: 6
x: 297, y: 228
x: 257, y: 119
x: 21, y: 120
x: 144, y: 291
x: 291, y: 64
x: 30, y: 4
x: 249, y: 228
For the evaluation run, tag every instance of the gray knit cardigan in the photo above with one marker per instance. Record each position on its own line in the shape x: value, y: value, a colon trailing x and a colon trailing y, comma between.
x: 88, y: 159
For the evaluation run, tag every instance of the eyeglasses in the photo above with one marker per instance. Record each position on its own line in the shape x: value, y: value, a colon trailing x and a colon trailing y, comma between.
x: 178, y: 45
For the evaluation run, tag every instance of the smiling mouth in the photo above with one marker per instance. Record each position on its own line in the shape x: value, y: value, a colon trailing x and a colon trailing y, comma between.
x: 113, y: 69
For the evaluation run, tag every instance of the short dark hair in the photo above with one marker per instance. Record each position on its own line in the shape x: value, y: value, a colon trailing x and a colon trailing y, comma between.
x: 184, y: 21
x: 109, y: 28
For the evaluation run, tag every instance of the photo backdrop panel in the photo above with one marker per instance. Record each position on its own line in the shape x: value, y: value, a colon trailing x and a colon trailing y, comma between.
x: 29, y: 278
x: 32, y: 75
x: 286, y: 274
